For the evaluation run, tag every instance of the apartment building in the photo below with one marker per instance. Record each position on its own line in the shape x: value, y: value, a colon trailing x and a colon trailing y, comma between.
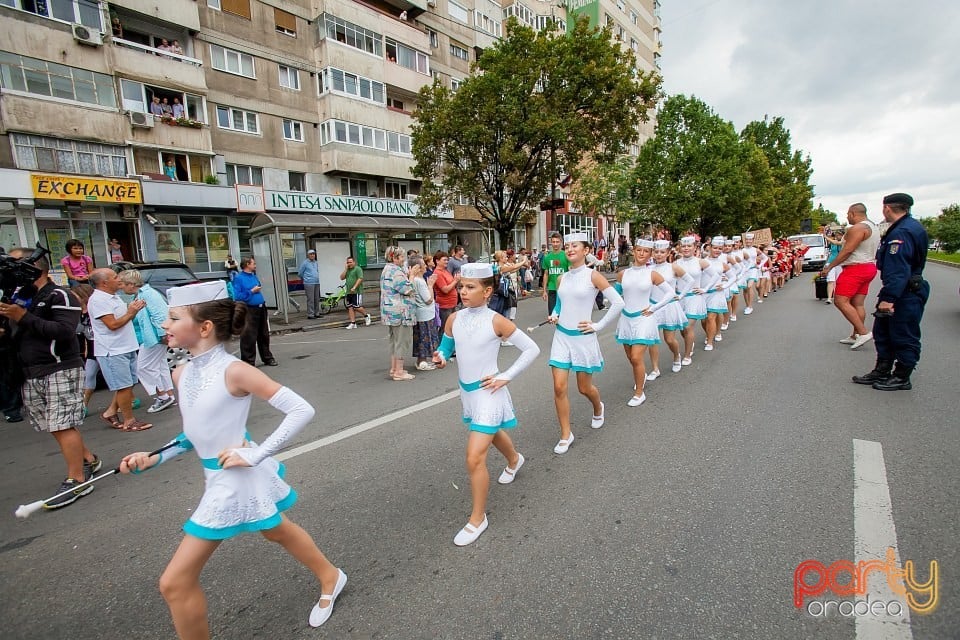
x: 193, y: 129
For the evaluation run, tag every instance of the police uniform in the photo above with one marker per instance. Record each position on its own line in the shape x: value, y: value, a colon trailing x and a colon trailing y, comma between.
x: 901, y: 257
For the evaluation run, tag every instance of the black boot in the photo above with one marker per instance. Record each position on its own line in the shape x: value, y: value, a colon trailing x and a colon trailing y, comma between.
x: 899, y: 381
x: 880, y: 373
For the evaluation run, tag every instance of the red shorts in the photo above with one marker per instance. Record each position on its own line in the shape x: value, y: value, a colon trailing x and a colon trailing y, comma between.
x: 855, y: 280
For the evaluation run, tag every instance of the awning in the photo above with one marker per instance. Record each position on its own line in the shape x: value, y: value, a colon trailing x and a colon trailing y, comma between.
x: 311, y: 222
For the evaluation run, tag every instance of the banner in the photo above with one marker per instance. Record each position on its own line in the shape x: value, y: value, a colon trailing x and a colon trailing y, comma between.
x: 53, y: 187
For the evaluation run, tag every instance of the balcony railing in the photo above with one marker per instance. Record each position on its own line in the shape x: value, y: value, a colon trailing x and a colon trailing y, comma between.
x: 157, y: 52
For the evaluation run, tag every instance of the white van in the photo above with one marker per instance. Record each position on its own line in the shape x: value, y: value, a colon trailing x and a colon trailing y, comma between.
x: 816, y: 255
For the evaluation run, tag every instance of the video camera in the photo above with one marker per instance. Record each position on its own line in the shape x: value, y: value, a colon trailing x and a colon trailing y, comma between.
x: 16, y: 273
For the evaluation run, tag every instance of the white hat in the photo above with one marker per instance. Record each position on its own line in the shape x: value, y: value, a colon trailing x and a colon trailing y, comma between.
x: 576, y: 236
x: 311, y: 251
x: 728, y: 242
x: 478, y: 270
x: 197, y: 293
x: 736, y: 238
x: 748, y: 236
x: 661, y: 244
x: 688, y: 240
x: 717, y: 240
x: 646, y: 244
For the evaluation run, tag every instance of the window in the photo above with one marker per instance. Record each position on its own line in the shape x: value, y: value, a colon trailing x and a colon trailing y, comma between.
x: 243, y: 174
x: 352, y: 187
x: 455, y: 84
x: 236, y: 7
x: 286, y: 23
x: 200, y: 242
x: 487, y: 24
x: 633, y: 17
x: 41, y: 78
x: 289, y: 77
x: 85, y: 12
x: 407, y: 57
x: 395, y: 190
x: 459, y: 52
x: 398, y: 143
x: 337, y: 81
x: 458, y: 12
x: 238, y: 119
x: 297, y: 181
x: 434, y: 38
x: 137, y: 96
x: 214, y: 4
x: 396, y: 104
x: 349, y: 133
x: 621, y: 5
x: 293, y: 130
x: 68, y: 156
x: 231, y: 61
x: 633, y: 45
x: 350, y: 34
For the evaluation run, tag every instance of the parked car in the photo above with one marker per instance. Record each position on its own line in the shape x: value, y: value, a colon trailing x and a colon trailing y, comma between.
x: 161, y: 275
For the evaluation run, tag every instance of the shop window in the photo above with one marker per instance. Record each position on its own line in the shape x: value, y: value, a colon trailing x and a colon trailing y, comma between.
x: 68, y: 156
x: 297, y: 181
x: 286, y: 23
x: 200, y: 242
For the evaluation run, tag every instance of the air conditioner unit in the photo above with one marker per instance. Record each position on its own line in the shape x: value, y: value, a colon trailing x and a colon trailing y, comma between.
x: 85, y: 35
x: 142, y: 120
x: 131, y: 212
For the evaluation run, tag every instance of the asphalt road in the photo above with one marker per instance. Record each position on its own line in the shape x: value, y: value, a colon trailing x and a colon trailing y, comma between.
x: 683, y: 518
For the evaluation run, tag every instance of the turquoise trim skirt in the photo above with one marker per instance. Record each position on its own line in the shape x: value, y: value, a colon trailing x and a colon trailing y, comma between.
x: 576, y: 368
x: 636, y: 341
x: 487, y: 429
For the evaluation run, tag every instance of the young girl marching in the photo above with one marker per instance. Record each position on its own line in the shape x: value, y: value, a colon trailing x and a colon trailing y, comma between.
x: 694, y: 302
x: 670, y: 317
x: 638, y: 327
x: 575, y: 346
x: 716, y: 296
x: 244, y: 491
x: 475, y: 333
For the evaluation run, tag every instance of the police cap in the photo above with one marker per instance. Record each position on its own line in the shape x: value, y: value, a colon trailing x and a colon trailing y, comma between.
x: 899, y: 198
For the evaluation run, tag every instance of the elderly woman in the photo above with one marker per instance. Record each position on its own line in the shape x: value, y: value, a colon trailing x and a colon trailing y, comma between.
x: 396, y: 298
x: 152, y: 368
x: 424, y: 311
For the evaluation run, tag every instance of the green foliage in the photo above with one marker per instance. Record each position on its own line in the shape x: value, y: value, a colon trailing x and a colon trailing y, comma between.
x: 947, y: 228
x: 536, y: 103
x: 608, y: 188
x: 821, y: 217
x: 211, y: 179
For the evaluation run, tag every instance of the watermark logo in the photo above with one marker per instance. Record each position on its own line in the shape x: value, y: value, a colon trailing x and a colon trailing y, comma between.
x: 844, y: 579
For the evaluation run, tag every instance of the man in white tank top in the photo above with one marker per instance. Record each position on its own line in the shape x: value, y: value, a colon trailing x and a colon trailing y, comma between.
x: 858, y: 259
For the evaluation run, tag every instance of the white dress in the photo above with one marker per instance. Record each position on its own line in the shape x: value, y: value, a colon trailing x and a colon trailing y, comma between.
x: 477, y: 348
x: 634, y: 327
x: 716, y: 299
x: 237, y: 499
x: 670, y: 317
x: 694, y: 304
x: 570, y: 348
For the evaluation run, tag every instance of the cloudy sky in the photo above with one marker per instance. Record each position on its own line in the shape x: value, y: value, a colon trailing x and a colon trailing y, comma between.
x: 869, y: 88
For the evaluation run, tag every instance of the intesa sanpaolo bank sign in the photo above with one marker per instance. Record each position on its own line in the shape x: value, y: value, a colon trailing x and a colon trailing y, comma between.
x: 300, y: 202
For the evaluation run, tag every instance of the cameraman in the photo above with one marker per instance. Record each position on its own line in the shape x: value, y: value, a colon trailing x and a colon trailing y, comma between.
x: 45, y: 332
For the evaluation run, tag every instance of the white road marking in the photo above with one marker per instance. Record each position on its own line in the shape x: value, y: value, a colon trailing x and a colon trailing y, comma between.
x: 326, y: 341
x: 366, y: 426
x: 874, y: 533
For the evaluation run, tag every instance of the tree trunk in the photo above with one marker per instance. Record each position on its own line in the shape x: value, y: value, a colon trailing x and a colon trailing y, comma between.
x: 504, y: 236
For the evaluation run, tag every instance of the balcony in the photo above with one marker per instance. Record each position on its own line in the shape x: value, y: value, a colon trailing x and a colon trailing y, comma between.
x: 346, y: 158
x: 178, y: 12
x: 61, y: 119
x: 157, y: 133
x: 134, y: 60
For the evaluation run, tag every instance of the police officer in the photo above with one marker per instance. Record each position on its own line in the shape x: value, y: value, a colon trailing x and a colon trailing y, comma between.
x: 901, y: 256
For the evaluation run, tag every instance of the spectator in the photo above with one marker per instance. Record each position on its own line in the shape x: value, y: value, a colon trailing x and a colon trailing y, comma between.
x: 352, y: 277
x: 457, y: 259
x: 53, y: 371
x: 87, y: 348
x: 164, y: 45
x: 166, y: 108
x: 152, y: 367
x: 76, y: 264
x: 155, y: 107
x: 396, y: 293
x: 231, y: 267
x: 177, y: 107
x: 623, y: 252
x: 425, y: 339
x: 170, y: 169
x: 553, y: 264
x: 835, y: 246
x: 309, y: 272
x: 116, y: 347
x: 444, y: 288
x: 175, y: 48
x: 116, y: 251
x: 256, y: 333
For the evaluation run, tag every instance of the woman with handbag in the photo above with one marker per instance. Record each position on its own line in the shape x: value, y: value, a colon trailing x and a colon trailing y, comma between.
x: 425, y: 340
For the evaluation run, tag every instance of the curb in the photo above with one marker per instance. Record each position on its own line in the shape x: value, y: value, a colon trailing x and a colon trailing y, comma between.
x: 955, y: 265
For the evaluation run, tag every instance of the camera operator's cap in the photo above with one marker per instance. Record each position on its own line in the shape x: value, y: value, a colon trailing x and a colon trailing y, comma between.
x: 748, y: 236
x: 197, y: 293
x: 717, y: 241
x: 577, y: 236
x: 736, y: 238
x: 661, y: 244
x: 899, y: 198
x: 476, y: 270
x: 688, y: 240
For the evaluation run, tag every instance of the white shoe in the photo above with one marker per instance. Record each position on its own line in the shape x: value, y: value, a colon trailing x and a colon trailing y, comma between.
x: 724, y: 326
x: 161, y: 403
x: 718, y: 338
x: 509, y: 474
x: 862, y: 340
x: 367, y: 320
x: 849, y: 340
x: 426, y: 366
x: 686, y: 361
x: 319, y: 614
x: 748, y: 311
x: 470, y: 533
x: 563, y: 445
x: 506, y: 343
x: 709, y: 347
x: 635, y: 401
x: 597, y: 421
x: 352, y: 325
x: 733, y: 318
x: 653, y: 375
x: 760, y: 300
x: 676, y: 367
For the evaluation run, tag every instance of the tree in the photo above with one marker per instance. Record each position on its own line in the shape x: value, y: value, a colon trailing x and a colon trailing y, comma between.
x: 791, y: 171
x: 695, y: 174
x: 948, y: 228
x: 536, y: 102
x: 821, y: 217
x: 607, y: 188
